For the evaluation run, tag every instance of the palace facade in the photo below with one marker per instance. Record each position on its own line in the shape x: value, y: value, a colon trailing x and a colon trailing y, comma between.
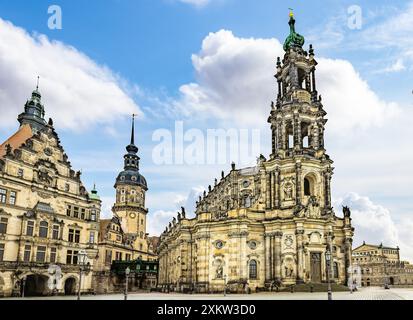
x: 380, y: 265
x: 46, y: 214
x: 272, y: 224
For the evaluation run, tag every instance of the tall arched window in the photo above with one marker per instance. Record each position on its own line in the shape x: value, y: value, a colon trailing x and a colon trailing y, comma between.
x: 43, y: 229
x: 253, y: 269
x: 307, y: 187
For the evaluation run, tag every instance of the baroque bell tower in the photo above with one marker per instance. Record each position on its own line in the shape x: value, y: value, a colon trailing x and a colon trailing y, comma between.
x: 131, y: 189
x: 297, y: 123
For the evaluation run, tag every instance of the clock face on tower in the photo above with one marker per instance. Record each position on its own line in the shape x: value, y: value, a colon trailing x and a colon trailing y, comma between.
x: 132, y: 215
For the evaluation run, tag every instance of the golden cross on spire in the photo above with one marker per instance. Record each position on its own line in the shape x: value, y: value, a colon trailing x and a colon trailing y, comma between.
x: 291, y: 12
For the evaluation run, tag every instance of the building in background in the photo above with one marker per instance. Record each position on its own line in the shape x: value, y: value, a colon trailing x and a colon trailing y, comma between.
x: 270, y: 225
x: 123, y: 238
x: 381, y: 266
x: 46, y: 215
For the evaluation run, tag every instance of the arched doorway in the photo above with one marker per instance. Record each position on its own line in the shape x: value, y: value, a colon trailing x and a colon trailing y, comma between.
x: 70, y: 286
x: 36, y: 285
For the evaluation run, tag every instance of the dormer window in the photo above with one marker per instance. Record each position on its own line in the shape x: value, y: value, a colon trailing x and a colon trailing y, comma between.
x: 133, y: 178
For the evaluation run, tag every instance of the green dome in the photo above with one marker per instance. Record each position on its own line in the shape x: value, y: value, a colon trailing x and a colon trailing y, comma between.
x: 294, y: 40
x: 94, y: 195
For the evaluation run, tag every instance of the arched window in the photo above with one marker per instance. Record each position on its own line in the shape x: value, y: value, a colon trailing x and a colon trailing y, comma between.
x: 253, y: 269
x: 307, y: 187
x: 43, y: 230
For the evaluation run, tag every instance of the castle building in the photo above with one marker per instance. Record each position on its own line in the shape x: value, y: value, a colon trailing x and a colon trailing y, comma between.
x: 271, y: 224
x: 46, y: 215
x: 123, y: 238
x: 380, y: 265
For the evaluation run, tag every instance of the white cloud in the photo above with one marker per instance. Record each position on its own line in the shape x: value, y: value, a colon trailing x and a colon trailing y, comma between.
x: 395, y: 67
x: 77, y: 92
x: 375, y: 224
x: 235, y: 82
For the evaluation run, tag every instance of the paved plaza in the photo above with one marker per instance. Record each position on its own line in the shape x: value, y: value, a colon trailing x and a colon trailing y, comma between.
x: 362, y: 294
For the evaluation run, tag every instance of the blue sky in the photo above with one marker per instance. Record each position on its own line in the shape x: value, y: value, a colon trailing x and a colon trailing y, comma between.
x: 173, y: 60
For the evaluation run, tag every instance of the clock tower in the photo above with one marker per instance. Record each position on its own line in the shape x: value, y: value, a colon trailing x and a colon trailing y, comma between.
x: 130, y: 188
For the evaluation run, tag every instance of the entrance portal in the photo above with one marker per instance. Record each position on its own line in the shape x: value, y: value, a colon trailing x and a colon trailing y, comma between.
x: 316, y: 267
x: 70, y: 287
x: 36, y: 285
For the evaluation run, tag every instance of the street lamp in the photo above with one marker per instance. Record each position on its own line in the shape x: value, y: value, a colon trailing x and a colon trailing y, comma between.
x: 328, y: 264
x: 82, y: 258
x: 127, y: 273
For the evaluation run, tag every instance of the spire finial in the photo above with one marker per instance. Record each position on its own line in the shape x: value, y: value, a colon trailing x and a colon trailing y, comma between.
x: 132, y: 140
x: 291, y: 12
x: 38, y: 81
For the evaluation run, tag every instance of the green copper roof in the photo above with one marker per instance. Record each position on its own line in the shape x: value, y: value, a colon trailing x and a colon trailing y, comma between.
x: 94, y: 194
x: 294, y: 40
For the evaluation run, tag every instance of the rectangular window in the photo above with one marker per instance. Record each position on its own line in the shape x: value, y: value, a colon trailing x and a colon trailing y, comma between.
x: 118, y: 256
x: 27, y: 253
x: 108, y: 257
x: 56, y: 232
x: 76, y: 212
x: 53, y: 252
x: 41, y: 254
x: 82, y: 214
x: 44, y: 229
x: 12, y: 198
x: 75, y: 257
x: 127, y: 257
x: 3, y: 225
x: 71, y: 257
x: 69, y: 210
x: 92, y: 238
x: 1, y: 252
x: 30, y: 228
x: 71, y: 235
x: 93, y: 215
x: 77, y: 236
x: 3, y: 194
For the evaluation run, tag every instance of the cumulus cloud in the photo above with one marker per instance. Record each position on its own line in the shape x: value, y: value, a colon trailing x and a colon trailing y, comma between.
x: 234, y: 80
x: 375, y: 224
x: 77, y: 92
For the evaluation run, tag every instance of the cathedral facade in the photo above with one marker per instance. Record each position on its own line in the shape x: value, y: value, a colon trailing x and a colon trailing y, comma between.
x: 47, y: 217
x: 272, y: 224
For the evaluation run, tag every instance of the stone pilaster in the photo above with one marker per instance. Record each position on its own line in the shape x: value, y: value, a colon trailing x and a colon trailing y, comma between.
x: 300, y: 255
x: 277, y: 254
x: 267, y: 258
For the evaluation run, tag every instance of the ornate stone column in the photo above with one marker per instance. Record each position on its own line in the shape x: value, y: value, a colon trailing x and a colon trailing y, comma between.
x: 327, y: 182
x: 277, y: 188
x: 300, y: 256
x: 348, y: 244
x: 268, y: 191
x: 277, y: 254
x: 298, y: 183
x: 298, y: 142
